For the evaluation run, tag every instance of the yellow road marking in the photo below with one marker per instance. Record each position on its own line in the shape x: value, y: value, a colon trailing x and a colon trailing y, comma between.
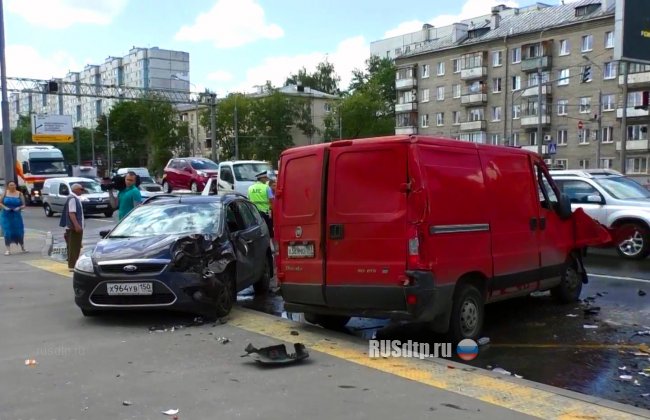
x: 439, y: 373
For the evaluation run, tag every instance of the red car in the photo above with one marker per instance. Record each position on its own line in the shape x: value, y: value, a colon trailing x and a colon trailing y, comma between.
x: 188, y: 174
x: 423, y: 229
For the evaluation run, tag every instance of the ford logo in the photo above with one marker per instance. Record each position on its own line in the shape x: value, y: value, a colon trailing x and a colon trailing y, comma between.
x: 130, y: 268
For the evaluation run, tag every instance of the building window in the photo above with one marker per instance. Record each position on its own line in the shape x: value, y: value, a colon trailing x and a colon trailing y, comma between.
x: 440, y: 93
x: 562, y: 136
x: 456, y: 65
x: 476, y: 114
x: 456, y: 91
x: 495, y: 139
x: 609, y: 39
x: 425, y: 121
x: 470, y: 61
x: 587, y: 43
x: 516, y: 82
x: 496, y: 113
x: 496, y: 85
x: 532, y: 138
x: 609, y: 71
x: 608, y: 135
x: 441, y: 68
x: 563, y: 77
x: 497, y: 58
x: 637, y: 165
x: 563, y: 163
x: 637, y: 132
x: 584, y: 136
x: 515, y: 139
x: 425, y: 71
x: 476, y: 87
x: 440, y: 119
x: 565, y: 48
x: 516, y: 111
x: 585, y: 105
x: 455, y: 117
x: 425, y: 95
x: 607, y: 163
x: 516, y: 55
x: 583, y: 163
x: 634, y: 99
x: 609, y: 102
x: 563, y: 107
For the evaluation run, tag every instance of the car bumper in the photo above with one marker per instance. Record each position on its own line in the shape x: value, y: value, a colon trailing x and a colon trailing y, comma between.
x: 171, y: 290
x: 97, y: 208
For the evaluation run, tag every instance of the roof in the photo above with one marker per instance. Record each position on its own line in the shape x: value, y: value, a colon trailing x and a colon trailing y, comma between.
x: 586, y: 173
x: 188, y: 199
x: 70, y: 179
x: 529, y: 20
x: 293, y: 90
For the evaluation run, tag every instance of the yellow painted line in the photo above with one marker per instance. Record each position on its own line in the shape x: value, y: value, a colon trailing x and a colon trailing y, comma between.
x: 481, y: 385
x: 51, y: 266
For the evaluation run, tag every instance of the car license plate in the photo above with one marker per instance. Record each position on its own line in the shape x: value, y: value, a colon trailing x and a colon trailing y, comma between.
x: 129, y: 288
x: 301, y: 251
x: 102, y: 206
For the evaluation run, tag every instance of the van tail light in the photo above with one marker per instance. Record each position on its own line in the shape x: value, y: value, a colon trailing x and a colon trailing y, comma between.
x: 414, y: 257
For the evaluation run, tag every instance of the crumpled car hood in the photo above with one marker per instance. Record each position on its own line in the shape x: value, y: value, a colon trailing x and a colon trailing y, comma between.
x: 588, y: 232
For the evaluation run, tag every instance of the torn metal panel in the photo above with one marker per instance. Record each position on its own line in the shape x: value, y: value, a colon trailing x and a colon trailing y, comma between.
x: 276, y: 354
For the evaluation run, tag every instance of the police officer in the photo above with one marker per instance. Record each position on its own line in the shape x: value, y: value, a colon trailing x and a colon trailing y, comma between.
x: 261, y: 195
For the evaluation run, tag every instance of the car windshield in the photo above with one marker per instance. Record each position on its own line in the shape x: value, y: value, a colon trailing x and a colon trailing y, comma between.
x: 203, y: 164
x: 623, y: 188
x: 47, y: 167
x: 146, y: 180
x: 170, y: 219
x: 91, y: 187
x: 247, y: 171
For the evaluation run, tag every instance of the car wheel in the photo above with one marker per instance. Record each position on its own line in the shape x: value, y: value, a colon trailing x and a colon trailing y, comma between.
x: 166, y: 187
x: 467, y: 313
x: 108, y: 213
x: 636, y: 246
x: 331, y: 322
x: 194, y: 187
x: 263, y: 285
x: 28, y: 199
x: 48, y: 210
x: 570, y: 287
x: 89, y: 312
x: 226, y: 298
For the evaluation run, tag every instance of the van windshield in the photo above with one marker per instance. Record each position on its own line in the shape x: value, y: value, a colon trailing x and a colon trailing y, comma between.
x: 91, y: 187
x: 623, y: 188
x: 247, y: 171
x: 42, y: 167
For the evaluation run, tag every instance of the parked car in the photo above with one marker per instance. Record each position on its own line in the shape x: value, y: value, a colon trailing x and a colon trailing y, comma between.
x: 614, y: 200
x: 148, y: 187
x: 137, y: 264
x: 57, y: 190
x: 238, y: 175
x: 188, y: 173
x: 422, y: 229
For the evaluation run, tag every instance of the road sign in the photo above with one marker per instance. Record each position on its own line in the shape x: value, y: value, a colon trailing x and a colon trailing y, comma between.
x: 632, y: 28
x: 580, y: 125
x: 52, y: 129
x: 552, y: 148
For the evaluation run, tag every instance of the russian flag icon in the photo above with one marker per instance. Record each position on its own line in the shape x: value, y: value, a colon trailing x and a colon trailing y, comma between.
x: 467, y: 349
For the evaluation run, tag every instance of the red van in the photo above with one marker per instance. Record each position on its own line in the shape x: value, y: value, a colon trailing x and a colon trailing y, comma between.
x: 422, y: 229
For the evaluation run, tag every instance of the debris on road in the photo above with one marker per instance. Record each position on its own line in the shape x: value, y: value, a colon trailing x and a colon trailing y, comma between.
x: 622, y: 368
x: 589, y: 326
x: 594, y: 310
x: 294, y: 332
x: 127, y: 403
x: 31, y: 362
x: 276, y: 354
x: 645, y: 395
x: 171, y: 412
x: 483, y: 341
x: 642, y: 333
x: 625, y: 377
x: 571, y: 315
x: 223, y: 340
x: 642, y: 292
x: 501, y: 371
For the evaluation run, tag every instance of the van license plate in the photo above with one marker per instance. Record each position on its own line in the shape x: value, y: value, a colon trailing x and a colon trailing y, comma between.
x: 132, y: 289
x: 301, y: 251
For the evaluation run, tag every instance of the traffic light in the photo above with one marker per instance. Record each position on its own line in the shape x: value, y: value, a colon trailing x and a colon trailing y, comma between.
x: 586, y: 74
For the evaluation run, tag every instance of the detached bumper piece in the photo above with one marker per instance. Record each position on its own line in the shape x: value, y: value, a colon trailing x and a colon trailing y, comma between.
x: 276, y: 355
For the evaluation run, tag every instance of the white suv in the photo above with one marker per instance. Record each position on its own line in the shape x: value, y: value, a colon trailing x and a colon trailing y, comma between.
x: 613, y: 200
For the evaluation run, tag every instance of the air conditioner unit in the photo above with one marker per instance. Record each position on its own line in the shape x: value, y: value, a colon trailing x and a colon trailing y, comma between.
x: 547, y: 138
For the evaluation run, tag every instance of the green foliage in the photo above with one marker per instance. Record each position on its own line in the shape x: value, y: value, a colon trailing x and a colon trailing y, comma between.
x: 323, y: 79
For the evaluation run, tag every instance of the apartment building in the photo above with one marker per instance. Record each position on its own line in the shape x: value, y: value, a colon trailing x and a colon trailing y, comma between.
x: 480, y: 81
x: 199, y: 137
x: 150, y: 68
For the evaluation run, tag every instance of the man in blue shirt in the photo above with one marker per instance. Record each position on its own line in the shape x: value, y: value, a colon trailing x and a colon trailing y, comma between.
x: 128, y: 198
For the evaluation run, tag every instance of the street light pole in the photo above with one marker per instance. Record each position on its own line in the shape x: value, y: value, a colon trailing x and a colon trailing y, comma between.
x: 626, y: 70
x: 213, y: 128
x: 236, y: 127
x: 599, y: 137
x: 541, y: 53
x: 6, y: 129
x: 108, y: 147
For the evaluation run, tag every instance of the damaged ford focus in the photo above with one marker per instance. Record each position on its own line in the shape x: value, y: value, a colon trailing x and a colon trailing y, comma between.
x: 184, y: 253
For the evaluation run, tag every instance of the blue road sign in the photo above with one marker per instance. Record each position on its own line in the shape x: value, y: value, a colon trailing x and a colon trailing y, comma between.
x: 552, y: 148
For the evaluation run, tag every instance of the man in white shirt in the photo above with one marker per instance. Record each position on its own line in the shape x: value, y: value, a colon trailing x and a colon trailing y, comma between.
x: 74, y: 225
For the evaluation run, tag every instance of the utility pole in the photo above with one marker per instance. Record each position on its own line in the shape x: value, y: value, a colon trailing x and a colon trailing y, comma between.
x: 599, y: 137
x: 539, y: 107
x: 78, y: 135
x: 236, y: 127
x: 108, y: 147
x: 626, y: 69
x: 213, y: 128
x: 92, y: 144
x: 6, y: 129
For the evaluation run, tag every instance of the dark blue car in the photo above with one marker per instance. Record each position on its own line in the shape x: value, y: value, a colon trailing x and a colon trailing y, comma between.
x: 141, y: 263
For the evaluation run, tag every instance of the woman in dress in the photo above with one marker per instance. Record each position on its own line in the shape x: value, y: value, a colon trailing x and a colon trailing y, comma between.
x: 12, y: 203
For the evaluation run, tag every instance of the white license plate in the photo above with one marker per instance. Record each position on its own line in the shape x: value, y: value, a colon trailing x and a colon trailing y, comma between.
x: 129, y: 288
x: 102, y: 206
x: 301, y: 251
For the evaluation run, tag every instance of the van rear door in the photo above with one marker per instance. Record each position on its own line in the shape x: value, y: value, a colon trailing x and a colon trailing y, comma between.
x: 366, y: 224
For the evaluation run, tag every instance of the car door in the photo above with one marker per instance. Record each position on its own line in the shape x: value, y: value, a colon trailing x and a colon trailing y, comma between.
x: 61, y: 197
x: 584, y: 195
x: 242, y: 234
x: 226, y: 178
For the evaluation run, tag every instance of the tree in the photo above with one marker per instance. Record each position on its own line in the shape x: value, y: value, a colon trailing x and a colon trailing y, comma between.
x: 323, y: 79
x: 22, y: 134
x: 274, y: 115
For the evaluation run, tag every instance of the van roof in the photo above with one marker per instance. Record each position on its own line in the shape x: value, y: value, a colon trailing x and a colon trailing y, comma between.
x: 69, y: 179
x: 431, y: 140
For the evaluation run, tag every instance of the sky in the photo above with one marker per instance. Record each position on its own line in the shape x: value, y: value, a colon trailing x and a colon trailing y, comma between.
x: 234, y: 45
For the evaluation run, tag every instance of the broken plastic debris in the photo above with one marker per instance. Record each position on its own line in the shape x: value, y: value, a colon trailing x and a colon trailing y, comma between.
x: 31, y: 362
x: 626, y: 377
x: 223, y: 340
x: 622, y: 368
x: 501, y: 371
x: 642, y: 333
x: 636, y: 382
x: 293, y: 332
x: 519, y: 376
x: 483, y: 341
x: 645, y: 395
x: 592, y: 310
x: 171, y: 412
x: 642, y: 292
x: 276, y: 354
x: 647, y: 375
x: 571, y: 315
x: 127, y: 403
x: 589, y: 326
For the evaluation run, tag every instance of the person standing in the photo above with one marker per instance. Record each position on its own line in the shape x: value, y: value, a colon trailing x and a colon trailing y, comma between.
x: 128, y: 198
x: 261, y: 195
x: 12, y: 203
x: 72, y: 218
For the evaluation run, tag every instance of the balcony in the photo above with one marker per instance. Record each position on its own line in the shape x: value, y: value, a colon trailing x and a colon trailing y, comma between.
x: 406, y: 107
x: 530, y: 64
x: 632, y: 113
x: 405, y: 130
x: 636, y: 79
x: 404, y: 84
x: 530, y: 120
x: 473, y: 73
x: 479, y: 125
x: 533, y: 90
x: 535, y: 148
x: 636, y: 145
x: 474, y: 99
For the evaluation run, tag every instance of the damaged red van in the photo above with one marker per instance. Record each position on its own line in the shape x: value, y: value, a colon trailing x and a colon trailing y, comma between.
x: 423, y: 229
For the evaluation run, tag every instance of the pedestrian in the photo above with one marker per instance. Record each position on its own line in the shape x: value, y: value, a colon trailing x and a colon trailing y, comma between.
x: 72, y: 219
x: 261, y: 195
x: 127, y: 199
x: 12, y: 204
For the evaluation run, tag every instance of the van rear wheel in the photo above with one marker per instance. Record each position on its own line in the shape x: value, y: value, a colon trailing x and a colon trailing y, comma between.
x: 48, y: 210
x: 467, y: 313
x: 570, y: 287
x: 331, y: 322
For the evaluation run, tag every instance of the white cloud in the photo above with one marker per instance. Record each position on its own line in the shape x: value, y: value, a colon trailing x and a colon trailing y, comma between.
x: 26, y: 61
x: 471, y: 8
x: 350, y: 54
x: 230, y: 24
x: 61, y: 14
x: 220, y: 76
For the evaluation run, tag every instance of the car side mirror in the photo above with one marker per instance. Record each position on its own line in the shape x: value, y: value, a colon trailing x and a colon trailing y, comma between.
x: 104, y: 233
x: 595, y: 198
x: 564, y: 208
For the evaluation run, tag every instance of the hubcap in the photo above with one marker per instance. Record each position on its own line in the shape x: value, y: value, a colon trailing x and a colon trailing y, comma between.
x: 571, y: 279
x: 632, y: 245
x: 468, y: 317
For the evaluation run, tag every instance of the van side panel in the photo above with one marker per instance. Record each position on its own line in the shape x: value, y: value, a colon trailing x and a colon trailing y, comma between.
x: 298, y: 214
x: 513, y: 208
x: 366, y: 225
x: 458, y: 223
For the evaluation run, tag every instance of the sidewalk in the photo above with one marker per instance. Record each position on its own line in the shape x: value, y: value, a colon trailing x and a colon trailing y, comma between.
x: 87, y: 367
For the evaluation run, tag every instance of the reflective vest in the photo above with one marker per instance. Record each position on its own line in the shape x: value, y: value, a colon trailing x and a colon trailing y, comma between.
x: 258, y: 195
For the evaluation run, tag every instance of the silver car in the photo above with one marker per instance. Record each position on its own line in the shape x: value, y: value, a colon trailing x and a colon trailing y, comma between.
x: 614, y: 200
x: 57, y: 190
x: 148, y: 187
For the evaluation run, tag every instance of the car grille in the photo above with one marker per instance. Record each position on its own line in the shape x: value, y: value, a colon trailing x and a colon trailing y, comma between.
x: 153, y: 189
x: 143, y: 268
x: 155, y: 299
